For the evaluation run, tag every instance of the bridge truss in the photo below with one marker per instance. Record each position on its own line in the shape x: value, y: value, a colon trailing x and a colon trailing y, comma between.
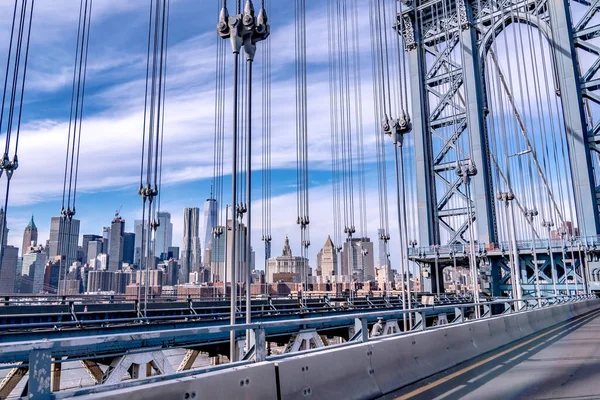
x: 468, y: 99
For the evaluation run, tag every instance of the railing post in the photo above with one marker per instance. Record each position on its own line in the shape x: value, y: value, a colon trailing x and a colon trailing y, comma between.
x: 360, y: 324
x: 40, y: 362
x: 260, y: 346
x: 419, y: 321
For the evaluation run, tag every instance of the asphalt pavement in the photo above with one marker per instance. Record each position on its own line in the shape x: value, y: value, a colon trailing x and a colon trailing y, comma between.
x: 559, y: 363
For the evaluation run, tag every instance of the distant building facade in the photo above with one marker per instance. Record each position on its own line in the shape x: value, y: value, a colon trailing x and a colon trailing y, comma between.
x: 209, y: 223
x: 357, y: 259
x: 128, y: 247
x: 115, y: 252
x: 190, y: 250
x: 32, y: 269
x: 87, y: 238
x: 286, y: 267
x: 8, y: 269
x: 64, y: 238
x: 30, y: 236
x: 164, y: 234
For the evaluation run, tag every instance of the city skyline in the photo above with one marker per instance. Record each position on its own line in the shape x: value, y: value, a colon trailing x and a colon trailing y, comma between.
x: 108, y: 172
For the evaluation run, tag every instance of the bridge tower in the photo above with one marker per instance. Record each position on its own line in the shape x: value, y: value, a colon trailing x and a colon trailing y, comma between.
x: 448, y: 43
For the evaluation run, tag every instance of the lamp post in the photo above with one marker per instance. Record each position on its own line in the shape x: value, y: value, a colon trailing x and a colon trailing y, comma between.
x: 530, y: 215
x: 548, y: 225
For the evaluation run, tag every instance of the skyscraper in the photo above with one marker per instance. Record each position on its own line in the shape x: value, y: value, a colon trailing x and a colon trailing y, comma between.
x: 63, y: 241
x: 5, y: 228
x: 85, y: 245
x: 128, y: 247
x: 115, y: 252
x: 220, y: 254
x: 106, y: 236
x: 328, y: 259
x: 382, y: 257
x: 190, y: 254
x: 286, y: 267
x: 357, y: 259
x: 8, y: 270
x: 30, y: 235
x: 139, y: 227
x: 95, y: 247
x: 164, y: 234
x: 33, y: 269
x: 210, y: 221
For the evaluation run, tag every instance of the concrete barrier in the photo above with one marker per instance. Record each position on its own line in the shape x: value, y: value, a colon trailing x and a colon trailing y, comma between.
x: 254, y: 381
x: 398, y: 361
x: 335, y: 374
x: 361, y: 371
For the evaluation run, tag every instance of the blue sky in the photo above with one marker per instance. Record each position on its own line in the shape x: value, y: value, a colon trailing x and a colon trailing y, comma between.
x: 112, y: 125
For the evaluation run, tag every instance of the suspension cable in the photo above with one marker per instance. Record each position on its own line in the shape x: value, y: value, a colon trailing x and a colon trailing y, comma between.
x: 16, y: 96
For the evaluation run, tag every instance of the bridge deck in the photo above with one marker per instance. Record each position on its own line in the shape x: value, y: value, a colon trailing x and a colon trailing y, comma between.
x: 561, y: 362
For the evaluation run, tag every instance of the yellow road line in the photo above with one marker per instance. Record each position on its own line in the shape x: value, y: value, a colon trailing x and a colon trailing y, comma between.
x: 480, y: 363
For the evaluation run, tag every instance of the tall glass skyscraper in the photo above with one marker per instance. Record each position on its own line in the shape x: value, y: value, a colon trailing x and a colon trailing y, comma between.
x: 164, y: 234
x: 115, y: 251
x: 190, y: 252
x: 139, y: 227
x: 62, y: 241
x: 210, y: 221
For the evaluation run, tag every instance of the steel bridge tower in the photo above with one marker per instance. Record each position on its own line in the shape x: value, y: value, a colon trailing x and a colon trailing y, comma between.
x: 447, y: 56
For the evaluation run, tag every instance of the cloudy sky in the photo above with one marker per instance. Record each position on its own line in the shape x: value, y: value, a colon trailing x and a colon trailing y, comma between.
x: 112, y: 126
x: 113, y: 116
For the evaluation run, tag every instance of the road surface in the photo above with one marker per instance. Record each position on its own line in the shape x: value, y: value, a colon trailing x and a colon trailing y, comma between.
x: 562, y: 362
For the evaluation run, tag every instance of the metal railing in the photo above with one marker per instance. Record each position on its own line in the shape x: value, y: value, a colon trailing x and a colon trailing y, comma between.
x: 41, y: 354
x: 584, y: 243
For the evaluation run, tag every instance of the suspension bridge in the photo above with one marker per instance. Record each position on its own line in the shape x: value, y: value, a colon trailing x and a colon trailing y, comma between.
x: 485, y: 122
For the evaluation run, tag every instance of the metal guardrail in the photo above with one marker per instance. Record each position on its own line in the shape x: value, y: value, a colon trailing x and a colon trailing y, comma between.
x: 585, y: 243
x: 39, y: 355
x: 81, y: 318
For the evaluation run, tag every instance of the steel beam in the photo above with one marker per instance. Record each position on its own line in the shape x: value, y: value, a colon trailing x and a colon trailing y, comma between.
x: 567, y: 68
x: 481, y: 183
x: 426, y: 197
x: 188, y: 360
x: 11, y: 380
x: 55, y: 370
x: 93, y: 370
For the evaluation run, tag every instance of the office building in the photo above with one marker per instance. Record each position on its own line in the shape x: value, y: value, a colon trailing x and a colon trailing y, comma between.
x: 30, y: 237
x: 115, y: 244
x: 120, y: 280
x: 64, y: 238
x: 219, y: 254
x: 94, y: 249
x: 51, y: 271
x: 209, y: 222
x: 382, y: 256
x: 173, y: 253
x: 5, y: 241
x: 190, y: 249
x: 155, y: 277
x: 106, y: 236
x: 286, y: 267
x: 139, y: 228
x: 8, y: 269
x: 164, y: 234
x: 357, y: 259
x: 128, y: 247
x: 327, y: 260
x: 87, y: 238
x: 32, y: 268
x: 100, y: 281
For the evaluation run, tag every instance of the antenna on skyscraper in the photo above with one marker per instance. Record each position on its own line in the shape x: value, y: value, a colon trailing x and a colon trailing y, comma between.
x: 118, y: 211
